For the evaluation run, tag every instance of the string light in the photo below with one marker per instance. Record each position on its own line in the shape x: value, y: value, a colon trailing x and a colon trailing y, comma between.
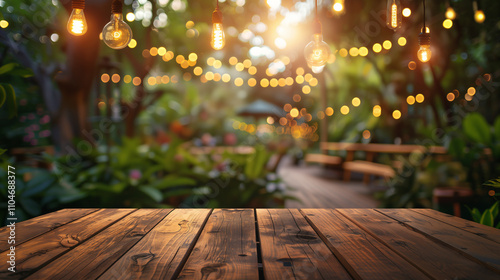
x: 338, y: 7
x: 479, y: 16
x: 77, y: 24
x: 450, y: 12
x: 393, y: 14
x: 424, y: 40
x: 218, y: 38
x: 117, y: 34
x: 317, y: 51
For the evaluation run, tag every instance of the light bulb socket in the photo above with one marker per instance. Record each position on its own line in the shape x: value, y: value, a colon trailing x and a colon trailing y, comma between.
x: 217, y: 16
x: 424, y: 39
x: 317, y: 27
x: 117, y: 7
x: 78, y: 4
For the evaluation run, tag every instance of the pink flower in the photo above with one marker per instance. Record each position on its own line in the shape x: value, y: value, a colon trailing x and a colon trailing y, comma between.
x: 135, y: 174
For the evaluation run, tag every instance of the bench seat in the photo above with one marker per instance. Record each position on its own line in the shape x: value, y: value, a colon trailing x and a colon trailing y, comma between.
x: 324, y: 159
x: 367, y: 168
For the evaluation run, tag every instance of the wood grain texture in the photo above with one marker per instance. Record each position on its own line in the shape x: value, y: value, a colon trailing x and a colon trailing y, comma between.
x: 92, y: 258
x: 361, y: 254
x: 434, y: 259
x: 468, y: 244
x: 162, y: 252
x: 487, y: 232
x: 226, y: 248
x: 29, y: 229
x: 33, y: 254
x: 292, y: 250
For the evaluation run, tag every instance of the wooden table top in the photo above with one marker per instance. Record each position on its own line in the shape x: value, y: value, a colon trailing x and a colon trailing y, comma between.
x: 251, y: 244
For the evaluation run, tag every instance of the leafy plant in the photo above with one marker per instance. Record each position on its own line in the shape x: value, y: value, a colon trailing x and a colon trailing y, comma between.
x: 490, y: 214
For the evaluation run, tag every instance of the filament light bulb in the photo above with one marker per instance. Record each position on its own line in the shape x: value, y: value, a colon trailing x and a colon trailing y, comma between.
x: 116, y: 34
x: 338, y: 7
x: 394, y: 14
x: 424, y: 53
x: 218, y: 39
x: 450, y: 13
x: 479, y: 16
x: 317, y: 53
x: 77, y: 24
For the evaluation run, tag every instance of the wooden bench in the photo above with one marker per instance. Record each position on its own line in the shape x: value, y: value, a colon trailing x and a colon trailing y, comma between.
x: 323, y: 159
x: 368, y: 168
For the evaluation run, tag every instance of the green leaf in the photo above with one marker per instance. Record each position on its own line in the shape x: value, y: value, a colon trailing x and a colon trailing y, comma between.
x: 496, y: 126
x: 22, y: 72
x: 7, y: 68
x: 456, y: 147
x: 10, y: 100
x: 494, y: 209
x: 476, y: 215
x: 477, y: 129
x: 3, y: 96
x: 153, y: 193
x: 173, y: 181
x: 487, y: 218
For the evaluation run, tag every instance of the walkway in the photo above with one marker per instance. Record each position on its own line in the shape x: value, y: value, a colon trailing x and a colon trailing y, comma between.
x: 319, y: 188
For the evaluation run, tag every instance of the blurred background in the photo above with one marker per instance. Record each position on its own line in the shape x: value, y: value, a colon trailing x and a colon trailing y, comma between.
x: 170, y: 122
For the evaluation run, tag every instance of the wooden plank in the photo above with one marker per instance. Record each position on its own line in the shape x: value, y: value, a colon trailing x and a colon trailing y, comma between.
x: 434, y: 259
x: 468, y: 244
x: 226, y: 248
x: 29, y: 229
x: 361, y: 254
x: 487, y: 232
x: 164, y: 250
x: 33, y: 254
x: 292, y: 250
x: 97, y: 254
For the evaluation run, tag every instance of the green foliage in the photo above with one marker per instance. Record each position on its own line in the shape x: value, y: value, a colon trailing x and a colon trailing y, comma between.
x: 7, y: 92
x: 488, y: 217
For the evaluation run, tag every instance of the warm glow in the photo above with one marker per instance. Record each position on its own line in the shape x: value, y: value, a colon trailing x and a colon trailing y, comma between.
x: 252, y: 82
x: 363, y: 51
x: 317, y: 52
x: 410, y: 100
x: 132, y: 44
x: 77, y: 25
x: 412, y: 65
x: 294, y: 112
x: 471, y: 91
x: 356, y: 102
x: 450, y: 13
x: 387, y: 44
x: 4, y: 23
x: 105, y: 78
x: 338, y: 6
x: 329, y: 111
x: 396, y: 114
x: 419, y: 98
x: 377, y: 111
x: 406, y: 12
x: 424, y: 53
x: 198, y: 71
x: 393, y: 14
x: 306, y: 89
x: 366, y: 134
x: 344, y: 110
x: 238, y: 82
x: 270, y: 120
x: 218, y: 38
x: 450, y: 96
x: 377, y: 48
x: 402, y: 41
x: 447, y: 23
x: 130, y: 17
x: 479, y: 16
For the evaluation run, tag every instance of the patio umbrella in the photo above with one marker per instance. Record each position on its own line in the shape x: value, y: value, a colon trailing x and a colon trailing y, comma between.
x: 261, y: 109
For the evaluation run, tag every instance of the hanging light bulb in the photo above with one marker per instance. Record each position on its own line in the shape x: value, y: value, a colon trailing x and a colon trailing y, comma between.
x: 218, y: 39
x: 424, y: 41
x: 393, y: 14
x: 77, y: 25
x: 317, y: 51
x: 479, y: 16
x: 450, y: 13
x: 338, y: 7
x: 116, y: 34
